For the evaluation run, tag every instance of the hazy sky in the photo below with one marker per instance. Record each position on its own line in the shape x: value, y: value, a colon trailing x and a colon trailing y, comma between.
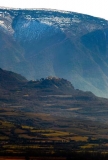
x: 98, y: 8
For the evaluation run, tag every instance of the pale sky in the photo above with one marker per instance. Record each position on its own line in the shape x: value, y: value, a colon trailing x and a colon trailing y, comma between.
x: 98, y: 8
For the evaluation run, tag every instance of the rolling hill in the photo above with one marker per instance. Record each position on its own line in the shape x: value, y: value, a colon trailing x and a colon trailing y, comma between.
x: 54, y: 96
x: 49, y: 117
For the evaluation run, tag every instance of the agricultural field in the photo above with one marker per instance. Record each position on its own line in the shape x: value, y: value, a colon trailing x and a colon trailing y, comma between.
x: 56, y: 135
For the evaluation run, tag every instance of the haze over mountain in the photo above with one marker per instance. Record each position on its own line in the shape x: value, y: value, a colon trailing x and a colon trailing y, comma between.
x: 42, y: 43
x: 54, y: 96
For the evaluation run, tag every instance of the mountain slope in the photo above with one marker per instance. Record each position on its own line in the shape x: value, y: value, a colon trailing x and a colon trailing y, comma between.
x: 10, y: 80
x: 42, y: 43
x: 53, y: 96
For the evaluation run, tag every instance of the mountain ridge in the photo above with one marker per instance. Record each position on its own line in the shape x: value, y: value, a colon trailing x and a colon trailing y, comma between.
x: 50, y: 43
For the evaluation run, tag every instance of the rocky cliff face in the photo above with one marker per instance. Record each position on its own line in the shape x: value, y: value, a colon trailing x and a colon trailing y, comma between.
x: 42, y: 43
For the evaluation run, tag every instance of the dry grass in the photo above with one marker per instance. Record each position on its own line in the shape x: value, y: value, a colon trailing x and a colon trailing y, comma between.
x: 26, y: 136
x: 19, y: 131
x: 6, y: 124
x: 79, y: 138
x: 73, y: 109
x: 56, y: 134
x: 27, y: 127
x: 88, y: 146
x: 39, y: 131
x: 42, y: 116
